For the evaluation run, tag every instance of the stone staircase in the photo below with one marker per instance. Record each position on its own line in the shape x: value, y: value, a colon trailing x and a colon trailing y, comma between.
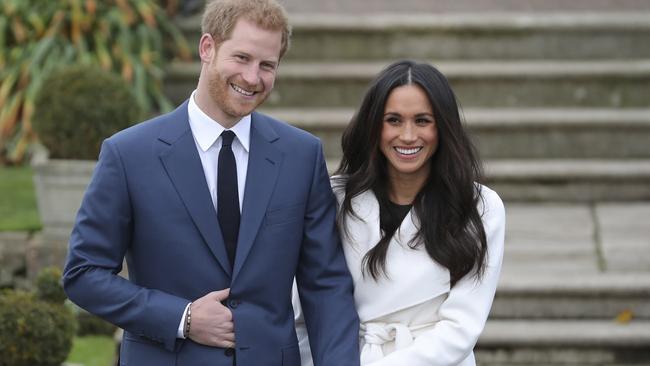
x: 558, y: 342
x: 559, y: 104
x: 575, y: 287
x: 556, y: 95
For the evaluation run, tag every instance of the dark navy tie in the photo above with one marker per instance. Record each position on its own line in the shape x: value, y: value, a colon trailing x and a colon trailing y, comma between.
x: 227, y: 197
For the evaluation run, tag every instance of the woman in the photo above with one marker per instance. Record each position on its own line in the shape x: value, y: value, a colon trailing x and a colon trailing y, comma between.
x: 422, y: 239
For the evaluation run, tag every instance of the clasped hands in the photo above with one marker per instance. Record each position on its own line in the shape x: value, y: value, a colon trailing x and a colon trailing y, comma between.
x: 212, y: 323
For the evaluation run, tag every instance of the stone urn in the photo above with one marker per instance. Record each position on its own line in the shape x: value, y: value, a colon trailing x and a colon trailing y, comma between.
x: 81, y: 106
x: 60, y: 185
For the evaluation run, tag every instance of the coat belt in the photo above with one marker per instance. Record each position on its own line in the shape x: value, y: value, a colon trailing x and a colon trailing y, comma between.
x: 376, y: 334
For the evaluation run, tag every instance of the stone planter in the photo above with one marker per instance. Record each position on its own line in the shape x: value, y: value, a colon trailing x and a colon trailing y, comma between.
x: 60, y: 185
x: 13, y: 249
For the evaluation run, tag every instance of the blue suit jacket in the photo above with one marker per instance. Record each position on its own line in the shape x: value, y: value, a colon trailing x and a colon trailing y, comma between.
x: 148, y: 201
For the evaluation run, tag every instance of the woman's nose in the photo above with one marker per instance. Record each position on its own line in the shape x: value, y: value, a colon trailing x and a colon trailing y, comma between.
x: 408, y: 132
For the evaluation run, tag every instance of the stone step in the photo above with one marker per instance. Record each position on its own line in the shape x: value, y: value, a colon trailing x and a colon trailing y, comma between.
x: 604, y: 296
x: 554, y: 242
x: 564, y: 342
x: 570, y: 180
x: 557, y: 84
x: 362, y: 7
x: 565, y: 180
x: 462, y: 36
x: 624, y: 235
x: 461, y: 6
x: 530, y: 133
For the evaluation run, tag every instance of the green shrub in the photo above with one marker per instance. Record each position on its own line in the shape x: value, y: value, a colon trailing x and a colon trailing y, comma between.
x: 90, y: 324
x: 79, y: 106
x: 34, y: 332
x: 134, y: 38
x: 48, y: 286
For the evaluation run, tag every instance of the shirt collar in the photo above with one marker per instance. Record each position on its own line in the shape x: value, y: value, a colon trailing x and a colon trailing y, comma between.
x: 206, y: 131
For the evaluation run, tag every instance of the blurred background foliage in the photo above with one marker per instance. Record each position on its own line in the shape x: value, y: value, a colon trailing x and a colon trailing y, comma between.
x: 80, y: 106
x: 131, y: 37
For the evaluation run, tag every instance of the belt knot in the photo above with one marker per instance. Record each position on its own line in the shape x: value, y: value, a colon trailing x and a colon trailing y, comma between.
x: 376, y: 334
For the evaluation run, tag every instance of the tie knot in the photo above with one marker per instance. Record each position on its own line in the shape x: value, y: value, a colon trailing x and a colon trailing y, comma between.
x: 227, y: 137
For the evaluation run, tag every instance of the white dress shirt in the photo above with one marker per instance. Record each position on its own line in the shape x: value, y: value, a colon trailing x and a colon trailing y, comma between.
x: 207, y: 136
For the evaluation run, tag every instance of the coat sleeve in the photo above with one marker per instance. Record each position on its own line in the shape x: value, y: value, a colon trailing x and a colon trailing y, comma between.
x: 464, y: 313
x: 98, y: 243
x: 323, y: 280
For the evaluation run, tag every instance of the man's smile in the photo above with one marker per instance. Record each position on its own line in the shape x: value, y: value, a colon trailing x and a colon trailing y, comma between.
x: 242, y: 91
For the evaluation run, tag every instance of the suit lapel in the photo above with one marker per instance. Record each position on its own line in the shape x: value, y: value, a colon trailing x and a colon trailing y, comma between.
x: 183, y: 165
x: 263, y: 167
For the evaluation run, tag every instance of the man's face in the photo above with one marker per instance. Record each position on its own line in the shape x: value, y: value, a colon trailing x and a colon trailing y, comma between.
x: 242, y: 71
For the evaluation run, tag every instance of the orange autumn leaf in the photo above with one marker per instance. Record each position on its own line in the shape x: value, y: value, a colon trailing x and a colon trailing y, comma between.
x: 624, y: 316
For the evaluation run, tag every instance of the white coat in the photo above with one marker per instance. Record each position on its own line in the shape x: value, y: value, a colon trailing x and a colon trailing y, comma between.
x: 413, y: 317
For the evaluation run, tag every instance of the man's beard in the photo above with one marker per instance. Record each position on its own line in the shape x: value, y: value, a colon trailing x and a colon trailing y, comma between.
x: 219, y: 90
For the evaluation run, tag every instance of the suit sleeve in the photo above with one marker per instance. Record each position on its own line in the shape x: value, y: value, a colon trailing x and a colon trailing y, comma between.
x: 323, y: 279
x: 98, y: 243
x: 464, y: 313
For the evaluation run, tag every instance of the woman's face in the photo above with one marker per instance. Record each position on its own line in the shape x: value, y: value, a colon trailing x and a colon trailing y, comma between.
x: 409, y: 136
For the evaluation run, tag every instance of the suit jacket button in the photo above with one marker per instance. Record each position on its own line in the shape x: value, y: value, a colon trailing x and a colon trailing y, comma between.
x: 229, y: 352
x: 233, y: 303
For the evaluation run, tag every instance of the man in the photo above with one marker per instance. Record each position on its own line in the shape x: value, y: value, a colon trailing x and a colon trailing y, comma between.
x: 216, y: 208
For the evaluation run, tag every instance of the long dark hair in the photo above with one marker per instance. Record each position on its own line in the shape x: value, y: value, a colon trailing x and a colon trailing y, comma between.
x: 450, y: 227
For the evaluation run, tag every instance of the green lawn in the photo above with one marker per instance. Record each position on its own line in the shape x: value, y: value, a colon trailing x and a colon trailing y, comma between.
x: 93, y: 351
x: 18, y: 211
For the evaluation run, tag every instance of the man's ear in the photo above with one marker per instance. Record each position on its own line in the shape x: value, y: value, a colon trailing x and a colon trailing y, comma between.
x: 207, y: 48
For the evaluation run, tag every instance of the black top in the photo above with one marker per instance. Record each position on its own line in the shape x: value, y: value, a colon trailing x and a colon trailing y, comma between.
x: 391, y: 218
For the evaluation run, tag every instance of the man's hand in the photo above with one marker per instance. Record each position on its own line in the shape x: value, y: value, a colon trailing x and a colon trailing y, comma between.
x: 212, y: 322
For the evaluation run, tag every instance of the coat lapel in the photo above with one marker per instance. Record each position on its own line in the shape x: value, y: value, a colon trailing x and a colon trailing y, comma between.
x: 263, y: 167
x: 183, y: 165
x: 404, y: 265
